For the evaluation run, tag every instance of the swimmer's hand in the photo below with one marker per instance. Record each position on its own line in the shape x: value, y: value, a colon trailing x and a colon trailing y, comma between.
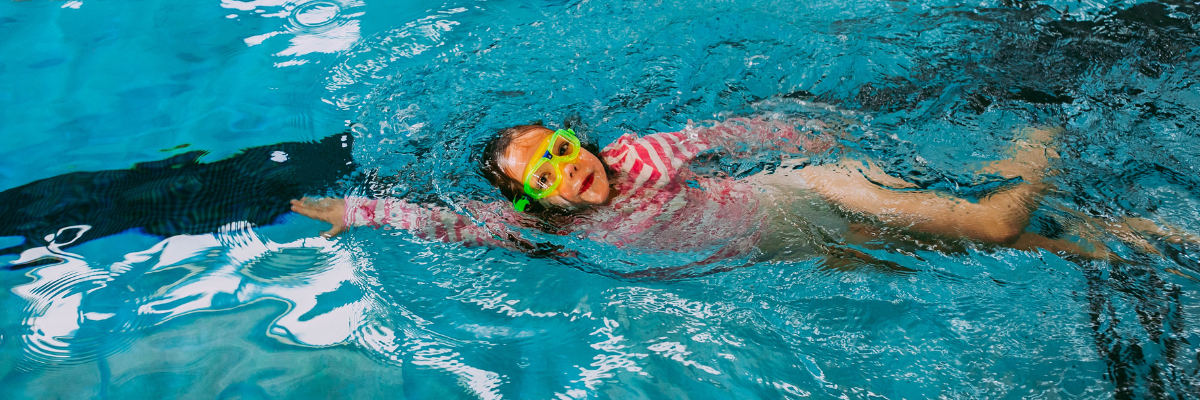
x: 329, y: 210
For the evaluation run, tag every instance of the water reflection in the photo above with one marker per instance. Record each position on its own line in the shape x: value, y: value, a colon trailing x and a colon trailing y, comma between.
x: 316, y: 26
x: 53, y: 313
x: 76, y: 310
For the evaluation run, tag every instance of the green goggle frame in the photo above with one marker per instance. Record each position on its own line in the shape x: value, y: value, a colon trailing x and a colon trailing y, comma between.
x: 543, y: 174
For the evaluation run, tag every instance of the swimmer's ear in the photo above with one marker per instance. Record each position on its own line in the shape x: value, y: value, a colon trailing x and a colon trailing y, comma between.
x: 525, y: 204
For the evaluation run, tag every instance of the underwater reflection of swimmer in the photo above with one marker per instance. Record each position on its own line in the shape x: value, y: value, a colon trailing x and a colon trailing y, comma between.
x: 174, y: 196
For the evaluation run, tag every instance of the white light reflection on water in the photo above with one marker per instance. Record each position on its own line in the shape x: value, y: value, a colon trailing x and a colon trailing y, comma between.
x: 76, y: 311
x: 617, y: 357
x: 54, y: 296
x: 317, y: 26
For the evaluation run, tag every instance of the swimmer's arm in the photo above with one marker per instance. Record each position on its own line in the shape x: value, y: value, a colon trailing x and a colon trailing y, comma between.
x: 746, y: 135
x: 430, y: 223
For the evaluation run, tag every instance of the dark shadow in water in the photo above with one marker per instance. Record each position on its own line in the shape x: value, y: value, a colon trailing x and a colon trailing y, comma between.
x: 1038, y: 63
x: 176, y: 196
x: 1139, y: 369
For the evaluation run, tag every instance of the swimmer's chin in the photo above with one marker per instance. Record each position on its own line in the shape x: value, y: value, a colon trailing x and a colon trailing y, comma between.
x: 598, y: 191
x: 597, y: 196
x: 579, y: 205
x: 591, y: 199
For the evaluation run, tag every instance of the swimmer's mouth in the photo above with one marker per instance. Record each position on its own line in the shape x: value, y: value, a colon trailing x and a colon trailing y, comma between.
x: 587, y: 182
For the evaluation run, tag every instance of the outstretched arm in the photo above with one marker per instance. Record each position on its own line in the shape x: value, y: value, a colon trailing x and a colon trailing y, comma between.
x: 752, y: 135
x: 734, y: 135
x: 430, y: 223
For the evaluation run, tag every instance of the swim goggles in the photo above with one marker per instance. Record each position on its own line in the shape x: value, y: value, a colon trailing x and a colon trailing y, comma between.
x: 544, y: 172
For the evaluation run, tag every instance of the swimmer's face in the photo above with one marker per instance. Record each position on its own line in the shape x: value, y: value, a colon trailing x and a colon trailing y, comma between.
x: 584, y: 182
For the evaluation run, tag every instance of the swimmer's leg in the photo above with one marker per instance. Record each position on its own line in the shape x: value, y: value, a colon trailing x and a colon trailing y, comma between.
x: 1000, y: 218
x: 1090, y: 249
x: 1032, y: 152
x: 1134, y: 231
x: 1148, y: 237
x: 1131, y: 225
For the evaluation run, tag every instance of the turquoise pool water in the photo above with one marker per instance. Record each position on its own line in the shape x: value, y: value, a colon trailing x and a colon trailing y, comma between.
x: 932, y: 89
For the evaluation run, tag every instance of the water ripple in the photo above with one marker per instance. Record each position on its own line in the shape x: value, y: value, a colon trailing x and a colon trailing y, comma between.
x: 315, y: 26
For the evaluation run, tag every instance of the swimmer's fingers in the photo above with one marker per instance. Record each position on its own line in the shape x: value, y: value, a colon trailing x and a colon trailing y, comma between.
x: 316, y: 208
x: 332, y: 211
x: 306, y: 208
x: 337, y: 229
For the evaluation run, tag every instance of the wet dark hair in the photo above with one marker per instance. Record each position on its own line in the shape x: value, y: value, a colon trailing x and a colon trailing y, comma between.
x: 512, y: 189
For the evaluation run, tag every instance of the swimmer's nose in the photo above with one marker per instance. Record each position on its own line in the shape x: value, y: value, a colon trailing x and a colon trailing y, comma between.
x: 570, y: 170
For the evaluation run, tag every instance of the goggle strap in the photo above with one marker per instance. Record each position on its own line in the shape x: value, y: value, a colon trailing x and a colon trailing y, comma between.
x: 521, y: 203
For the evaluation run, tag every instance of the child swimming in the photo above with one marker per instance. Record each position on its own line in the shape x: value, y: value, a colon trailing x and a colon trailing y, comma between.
x: 641, y: 193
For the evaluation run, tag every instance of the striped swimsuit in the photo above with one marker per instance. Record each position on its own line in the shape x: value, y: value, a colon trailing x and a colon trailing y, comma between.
x: 660, y: 203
